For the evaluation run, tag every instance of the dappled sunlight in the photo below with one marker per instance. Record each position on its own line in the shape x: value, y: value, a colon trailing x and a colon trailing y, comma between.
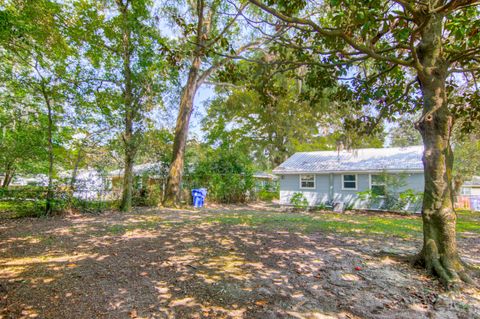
x: 163, y: 291
x: 230, y: 265
x: 316, y: 315
x: 163, y: 264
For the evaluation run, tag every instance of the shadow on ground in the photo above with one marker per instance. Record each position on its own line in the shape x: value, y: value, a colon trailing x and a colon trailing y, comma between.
x: 180, y: 264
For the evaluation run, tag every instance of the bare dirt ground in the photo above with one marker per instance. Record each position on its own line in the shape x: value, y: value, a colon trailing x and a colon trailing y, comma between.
x: 181, y: 264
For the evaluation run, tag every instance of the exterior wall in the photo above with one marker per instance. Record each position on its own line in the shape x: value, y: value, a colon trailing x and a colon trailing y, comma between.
x: 349, y: 196
x: 475, y: 191
x: 290, y: 184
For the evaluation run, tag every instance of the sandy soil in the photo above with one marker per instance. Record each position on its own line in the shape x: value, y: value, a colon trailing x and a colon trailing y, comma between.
x: 174, y: 264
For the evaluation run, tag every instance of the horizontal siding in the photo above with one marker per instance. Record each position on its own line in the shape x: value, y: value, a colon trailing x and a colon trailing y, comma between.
x: 290, y: 184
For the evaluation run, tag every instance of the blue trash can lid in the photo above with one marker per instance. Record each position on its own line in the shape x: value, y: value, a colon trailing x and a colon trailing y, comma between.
x: 199, y: 192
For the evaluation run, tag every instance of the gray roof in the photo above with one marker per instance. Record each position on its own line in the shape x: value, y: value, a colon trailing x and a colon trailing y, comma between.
x: 148, y: 168
x: 398, y: 159
x: 264, y: 175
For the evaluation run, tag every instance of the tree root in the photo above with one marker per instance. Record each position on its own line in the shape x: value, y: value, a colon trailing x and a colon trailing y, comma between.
x: 451, y: 271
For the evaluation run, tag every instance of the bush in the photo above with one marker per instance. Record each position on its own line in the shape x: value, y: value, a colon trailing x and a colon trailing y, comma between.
x: 391, y: 200
x: 268, y: 192
x: 299, y: 201
x: 226, y: 174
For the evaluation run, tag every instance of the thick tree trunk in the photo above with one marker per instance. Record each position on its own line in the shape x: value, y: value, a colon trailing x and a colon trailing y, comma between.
x: 439, y: 253
x: 174, y: 181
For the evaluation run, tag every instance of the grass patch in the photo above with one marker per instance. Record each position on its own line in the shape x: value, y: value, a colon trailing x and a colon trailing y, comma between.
x: 374, y: 224
x: 20, y: 209
x: 36, y: 207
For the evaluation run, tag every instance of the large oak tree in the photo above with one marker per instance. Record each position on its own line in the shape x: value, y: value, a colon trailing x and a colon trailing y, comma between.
x: 391, y: 48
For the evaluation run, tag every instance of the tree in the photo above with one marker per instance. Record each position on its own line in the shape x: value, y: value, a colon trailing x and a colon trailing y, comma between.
x: 405, y: 42
x: 35, y: 44
x: 22, y: 141
x: 254, y: 108
x: 209, y: 38
x: 467, y: 158
x: 405, y: 134
x: 125, y: 52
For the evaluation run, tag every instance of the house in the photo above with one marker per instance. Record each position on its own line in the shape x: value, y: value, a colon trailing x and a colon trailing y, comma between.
x: 144, y: 175
x: 469, y: 197
x: 264, y: 180
x: 472, y: 187
x: 329, y: 177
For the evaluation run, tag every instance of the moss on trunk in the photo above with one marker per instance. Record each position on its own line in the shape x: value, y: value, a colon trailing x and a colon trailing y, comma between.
x: 439, y: 253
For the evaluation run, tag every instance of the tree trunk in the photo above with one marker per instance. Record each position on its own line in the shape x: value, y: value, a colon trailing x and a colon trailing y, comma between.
x: 174, y: 181
x: 9, y: 173
x: 73, y: 178
x: 49, y: 197
x: 126, y: 204
x: 439, y: 253
x: 129, y: 108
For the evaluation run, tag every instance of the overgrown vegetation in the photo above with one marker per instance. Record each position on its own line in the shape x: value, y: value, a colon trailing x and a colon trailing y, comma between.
x: 31, y: 202
x: 227, y: 175
x: 299, y: 201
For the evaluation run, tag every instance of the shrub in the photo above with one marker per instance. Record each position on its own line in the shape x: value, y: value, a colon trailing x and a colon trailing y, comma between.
x: 269, y: 192
x: 299, y: 201
x: 391, y: 200
x: 226, y: 174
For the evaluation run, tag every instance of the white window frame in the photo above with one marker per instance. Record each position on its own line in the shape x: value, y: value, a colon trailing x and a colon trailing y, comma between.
x: 314, y: 181
x: 343, y: 183
x: 370, y: 184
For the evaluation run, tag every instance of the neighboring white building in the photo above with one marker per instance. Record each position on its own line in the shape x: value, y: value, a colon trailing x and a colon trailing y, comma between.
x: 469, y: 197
x: 327, y: 177
x: 472, y: 187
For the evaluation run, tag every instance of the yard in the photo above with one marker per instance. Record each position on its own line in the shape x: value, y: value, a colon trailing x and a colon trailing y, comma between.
x: 227, y: 262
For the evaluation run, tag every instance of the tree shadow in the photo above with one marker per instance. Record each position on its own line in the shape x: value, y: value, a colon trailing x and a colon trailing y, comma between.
x: 152, y: 265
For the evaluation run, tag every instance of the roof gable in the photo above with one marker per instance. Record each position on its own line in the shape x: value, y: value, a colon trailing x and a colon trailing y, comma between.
x: 367, y: 159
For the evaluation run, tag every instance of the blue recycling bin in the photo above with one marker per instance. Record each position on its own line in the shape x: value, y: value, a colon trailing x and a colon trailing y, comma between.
x: 198, y: 196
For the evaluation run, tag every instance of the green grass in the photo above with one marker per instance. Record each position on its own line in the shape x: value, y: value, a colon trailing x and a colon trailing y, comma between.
x: 36, y: 208
x: 361, y: 224
x: 19, y: 209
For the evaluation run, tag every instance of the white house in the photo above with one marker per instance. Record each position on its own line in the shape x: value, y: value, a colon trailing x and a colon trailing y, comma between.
x: 469, y: 197
x: 471, y: 187
x: 327, y: 177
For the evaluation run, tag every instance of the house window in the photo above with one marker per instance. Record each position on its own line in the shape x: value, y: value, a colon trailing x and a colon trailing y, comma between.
x: 307, y: 181
x: 350, y: 182
x: 466, y: 191
x: 378, y: 186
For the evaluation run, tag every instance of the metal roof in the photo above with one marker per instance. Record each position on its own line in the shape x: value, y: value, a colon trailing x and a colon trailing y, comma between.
x: 398, y: 159
x: 148, y: 168
x: 264, y: 175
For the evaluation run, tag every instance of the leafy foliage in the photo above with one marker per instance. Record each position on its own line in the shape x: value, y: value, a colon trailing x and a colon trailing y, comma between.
x: 227, y: 175
x: 254, y: 110
x: 299, y: 201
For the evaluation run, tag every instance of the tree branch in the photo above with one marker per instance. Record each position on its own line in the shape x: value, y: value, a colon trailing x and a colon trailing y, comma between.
x: 330, y: 33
